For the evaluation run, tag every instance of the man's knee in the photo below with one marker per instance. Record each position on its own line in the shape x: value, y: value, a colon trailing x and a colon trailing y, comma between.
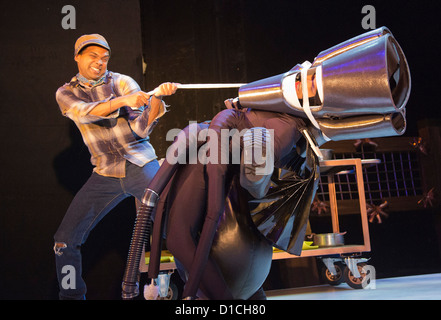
x: 59, y: 247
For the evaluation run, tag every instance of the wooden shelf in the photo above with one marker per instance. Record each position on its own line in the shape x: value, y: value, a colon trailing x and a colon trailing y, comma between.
x: 346, y: 249
x: 331, y: 168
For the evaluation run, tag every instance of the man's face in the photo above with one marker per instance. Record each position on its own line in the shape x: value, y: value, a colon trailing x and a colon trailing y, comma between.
x: 311, y: 83
x: 92, y: 62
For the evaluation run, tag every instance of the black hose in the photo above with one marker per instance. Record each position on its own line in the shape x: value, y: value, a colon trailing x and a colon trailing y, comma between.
x: 142, y: 229
x: 141, y: 234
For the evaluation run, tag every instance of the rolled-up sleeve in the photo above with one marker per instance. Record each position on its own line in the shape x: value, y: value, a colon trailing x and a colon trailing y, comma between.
x: 139, y: 120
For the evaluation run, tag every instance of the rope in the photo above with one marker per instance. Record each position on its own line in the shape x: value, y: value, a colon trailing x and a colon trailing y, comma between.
x: 204, y: 86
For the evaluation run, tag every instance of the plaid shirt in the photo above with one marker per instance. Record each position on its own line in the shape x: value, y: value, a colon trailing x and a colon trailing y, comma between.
x: 113, y: 139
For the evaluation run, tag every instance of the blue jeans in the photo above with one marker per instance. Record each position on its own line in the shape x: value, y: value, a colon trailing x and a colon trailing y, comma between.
x: 96, y: 198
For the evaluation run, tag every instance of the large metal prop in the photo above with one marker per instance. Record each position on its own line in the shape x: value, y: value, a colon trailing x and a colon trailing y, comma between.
x: 361, y: 88
x: 363, y: 85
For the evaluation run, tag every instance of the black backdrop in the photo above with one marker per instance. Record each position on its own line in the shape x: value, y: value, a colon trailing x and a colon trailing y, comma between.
x: 43, y: 160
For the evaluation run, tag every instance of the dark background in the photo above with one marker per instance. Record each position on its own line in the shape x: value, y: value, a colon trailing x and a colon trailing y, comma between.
x: 44, y: 162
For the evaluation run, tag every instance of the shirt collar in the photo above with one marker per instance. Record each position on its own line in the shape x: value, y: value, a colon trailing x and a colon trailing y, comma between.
x: 91, y: 83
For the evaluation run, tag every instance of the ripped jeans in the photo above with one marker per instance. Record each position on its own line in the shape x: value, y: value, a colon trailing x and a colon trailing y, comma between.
x: 95, y: 199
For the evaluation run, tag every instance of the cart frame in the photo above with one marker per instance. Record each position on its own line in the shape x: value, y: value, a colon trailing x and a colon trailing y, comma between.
x: 331, y: 168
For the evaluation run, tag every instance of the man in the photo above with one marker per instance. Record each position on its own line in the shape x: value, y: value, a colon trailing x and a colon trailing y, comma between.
x: 115, y: 118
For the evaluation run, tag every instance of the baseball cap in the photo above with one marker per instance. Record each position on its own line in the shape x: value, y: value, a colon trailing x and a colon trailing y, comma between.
x: 89, y: 39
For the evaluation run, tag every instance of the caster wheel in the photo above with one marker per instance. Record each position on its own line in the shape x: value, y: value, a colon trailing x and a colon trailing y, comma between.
x: 333, y: 280
x: 354, y: 282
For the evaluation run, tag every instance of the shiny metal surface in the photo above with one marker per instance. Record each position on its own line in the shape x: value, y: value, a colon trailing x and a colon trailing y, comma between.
x: 358, y: 81
x: 265, y: 94
x: 361, y: 127
x: 365, y: 84
x: 150, y: 198
x: 324, y: 240
x: 350, y: 44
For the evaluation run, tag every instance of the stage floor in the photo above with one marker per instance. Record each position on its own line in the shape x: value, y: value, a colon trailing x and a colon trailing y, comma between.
x: 419, y: 287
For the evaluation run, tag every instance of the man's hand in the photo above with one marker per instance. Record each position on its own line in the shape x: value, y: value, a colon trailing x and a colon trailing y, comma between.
x: 166, y: 89
x: 233, y: 104
x: 137, y: 99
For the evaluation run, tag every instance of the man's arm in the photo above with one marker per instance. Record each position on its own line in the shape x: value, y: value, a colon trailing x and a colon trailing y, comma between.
x: 134, y: 101
x: 137, y: 100
x: 156, y: 104
x: 143, y: 121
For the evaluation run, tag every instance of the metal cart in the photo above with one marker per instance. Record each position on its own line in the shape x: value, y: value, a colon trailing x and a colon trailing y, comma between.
x: 343, y: 263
